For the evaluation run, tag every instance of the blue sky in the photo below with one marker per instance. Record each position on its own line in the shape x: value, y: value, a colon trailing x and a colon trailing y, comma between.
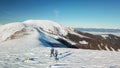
x: 73, y: 13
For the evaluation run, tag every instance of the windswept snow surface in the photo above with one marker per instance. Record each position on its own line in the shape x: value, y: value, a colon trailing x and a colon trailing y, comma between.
x: 39, y: 57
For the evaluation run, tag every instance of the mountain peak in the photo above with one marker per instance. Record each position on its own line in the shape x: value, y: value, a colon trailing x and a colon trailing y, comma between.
x: 46, y: 22
x: 49, y: 26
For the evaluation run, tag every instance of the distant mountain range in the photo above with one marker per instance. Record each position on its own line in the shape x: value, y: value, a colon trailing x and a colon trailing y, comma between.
x: 98, y: 30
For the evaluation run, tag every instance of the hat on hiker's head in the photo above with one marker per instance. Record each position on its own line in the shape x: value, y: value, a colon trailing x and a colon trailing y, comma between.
x: 52, y: 47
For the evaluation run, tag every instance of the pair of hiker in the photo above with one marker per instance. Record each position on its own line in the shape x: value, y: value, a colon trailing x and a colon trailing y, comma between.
x: 54, y: 53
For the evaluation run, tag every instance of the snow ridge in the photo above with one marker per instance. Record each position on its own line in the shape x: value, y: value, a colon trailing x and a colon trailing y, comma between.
x: 49, y: 26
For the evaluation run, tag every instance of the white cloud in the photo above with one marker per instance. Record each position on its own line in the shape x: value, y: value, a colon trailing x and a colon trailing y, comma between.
x: 56, y: 12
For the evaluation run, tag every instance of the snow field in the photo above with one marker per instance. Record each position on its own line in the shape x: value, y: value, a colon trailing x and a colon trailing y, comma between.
x: 39, y: 57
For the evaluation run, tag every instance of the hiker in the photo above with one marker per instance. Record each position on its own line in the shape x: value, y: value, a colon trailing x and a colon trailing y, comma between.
x: 51, y: 52
x: 56, y: 54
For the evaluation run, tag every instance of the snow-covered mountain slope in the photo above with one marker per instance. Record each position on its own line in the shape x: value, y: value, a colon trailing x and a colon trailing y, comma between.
x: 22, y: 37
x: 49, y: 33
x: 27, y: 45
